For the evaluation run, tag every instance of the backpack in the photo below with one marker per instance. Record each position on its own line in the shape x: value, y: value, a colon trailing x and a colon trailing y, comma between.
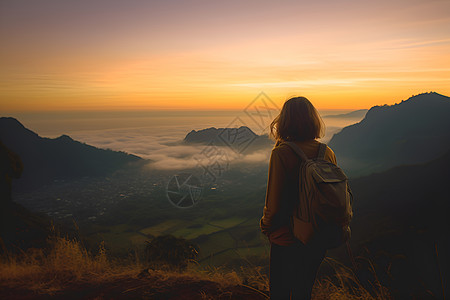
x: 324, y: 209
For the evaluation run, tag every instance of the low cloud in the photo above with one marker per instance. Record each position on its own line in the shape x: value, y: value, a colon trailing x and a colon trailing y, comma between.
x: 163, y: 147
x: 260, y: 156
x: 184, y: 157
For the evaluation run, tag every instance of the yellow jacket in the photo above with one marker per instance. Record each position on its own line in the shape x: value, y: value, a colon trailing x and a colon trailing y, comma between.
x: 282, y: 188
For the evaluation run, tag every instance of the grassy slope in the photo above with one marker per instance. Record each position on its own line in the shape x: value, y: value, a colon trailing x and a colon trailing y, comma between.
x: 67, y: 270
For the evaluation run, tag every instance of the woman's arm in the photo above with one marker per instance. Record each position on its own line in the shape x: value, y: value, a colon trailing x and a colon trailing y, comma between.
x: 275, y: 187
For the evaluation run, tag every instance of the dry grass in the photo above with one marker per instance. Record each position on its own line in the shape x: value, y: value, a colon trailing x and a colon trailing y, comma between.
x: 345, y: 285
x: 49, y: 271
x: 67, y: 262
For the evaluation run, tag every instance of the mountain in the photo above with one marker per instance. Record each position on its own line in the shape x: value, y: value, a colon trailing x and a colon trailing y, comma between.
x: 401, y: 219
x: 242, y: 139
x: 356, y: 114
x: 413, y: 131
x: 46, y: 159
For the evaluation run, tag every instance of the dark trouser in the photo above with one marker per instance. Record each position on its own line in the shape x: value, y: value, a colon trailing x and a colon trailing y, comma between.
x: 293, y: 270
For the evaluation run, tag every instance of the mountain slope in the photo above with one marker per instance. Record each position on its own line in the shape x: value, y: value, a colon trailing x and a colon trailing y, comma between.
x: 412, y: 195
x: 413, y: 131
x: 46, y: 159
x: 401, y: 218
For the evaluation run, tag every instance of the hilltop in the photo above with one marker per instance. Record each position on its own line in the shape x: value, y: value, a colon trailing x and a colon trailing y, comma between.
x: 46, y: 159
x: 156, y: 285
x: 242, y: 139
x: 66, y: 270
x: 413, y: 131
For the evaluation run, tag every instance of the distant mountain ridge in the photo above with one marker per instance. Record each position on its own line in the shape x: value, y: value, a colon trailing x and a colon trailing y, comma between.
x: 360, y: 113
x: 239, y: 138
x: 47, y: 159
x: 413, y: 131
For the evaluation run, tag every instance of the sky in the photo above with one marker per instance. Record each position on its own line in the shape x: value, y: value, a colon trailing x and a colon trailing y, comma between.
x: 62, y: 55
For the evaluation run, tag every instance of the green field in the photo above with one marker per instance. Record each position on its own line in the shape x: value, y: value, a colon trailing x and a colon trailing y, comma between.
x: 220, y: 241
x: 165, y: 227
x: 193, y: 232
x: 227, y: 223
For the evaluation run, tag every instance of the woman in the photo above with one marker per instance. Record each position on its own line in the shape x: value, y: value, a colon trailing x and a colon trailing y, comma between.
x: 293, y: 265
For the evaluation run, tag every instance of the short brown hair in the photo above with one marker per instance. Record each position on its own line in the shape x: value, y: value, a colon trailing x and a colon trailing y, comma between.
x: 298, y: 120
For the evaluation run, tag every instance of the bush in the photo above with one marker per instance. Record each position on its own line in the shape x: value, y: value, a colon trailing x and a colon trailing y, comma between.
x: 169, y: 251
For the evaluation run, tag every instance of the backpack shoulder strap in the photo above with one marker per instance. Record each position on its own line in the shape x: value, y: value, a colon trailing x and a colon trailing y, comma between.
x: 322, y: 150
x: 297, y: 150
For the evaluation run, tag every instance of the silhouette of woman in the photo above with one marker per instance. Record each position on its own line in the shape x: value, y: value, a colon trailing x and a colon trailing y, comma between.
x: 293, y: 265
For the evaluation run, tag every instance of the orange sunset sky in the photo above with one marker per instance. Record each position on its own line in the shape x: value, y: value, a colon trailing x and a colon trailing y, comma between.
x: 192, y: 54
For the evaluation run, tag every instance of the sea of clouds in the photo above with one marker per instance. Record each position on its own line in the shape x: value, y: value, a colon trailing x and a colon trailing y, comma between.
x: 163, y: 147
x: 160, y: 140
